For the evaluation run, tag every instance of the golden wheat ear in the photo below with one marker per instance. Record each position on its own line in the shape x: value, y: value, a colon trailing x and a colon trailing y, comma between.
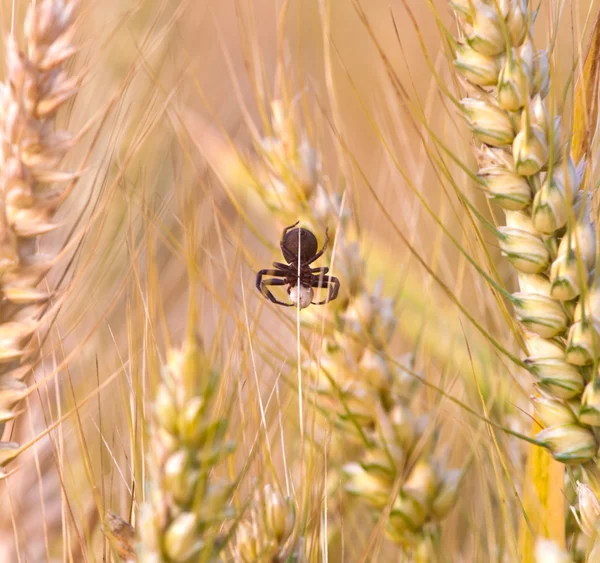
x: 36, y: 86
x: 526, y: 168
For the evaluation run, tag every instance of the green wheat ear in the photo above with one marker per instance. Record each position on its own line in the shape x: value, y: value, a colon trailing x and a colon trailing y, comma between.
x: 186, y: 506
x: 266, y: 531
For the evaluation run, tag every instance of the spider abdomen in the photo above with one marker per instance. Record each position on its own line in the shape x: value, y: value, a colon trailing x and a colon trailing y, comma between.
x: 301, y: 295
x: 305, y: 245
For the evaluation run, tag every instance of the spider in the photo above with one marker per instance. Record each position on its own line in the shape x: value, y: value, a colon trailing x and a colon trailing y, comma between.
x: 300, y: 284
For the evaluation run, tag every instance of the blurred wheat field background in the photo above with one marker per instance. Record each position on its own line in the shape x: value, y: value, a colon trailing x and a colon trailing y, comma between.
x: 154, y: 406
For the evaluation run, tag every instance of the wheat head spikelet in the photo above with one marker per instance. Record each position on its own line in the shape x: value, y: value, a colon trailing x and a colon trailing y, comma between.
x: 266, y: 532
x: 31, y: 148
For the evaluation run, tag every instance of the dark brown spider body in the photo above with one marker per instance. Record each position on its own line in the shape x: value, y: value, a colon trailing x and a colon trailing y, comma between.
x: 299, y: 248
x: 307, y: 249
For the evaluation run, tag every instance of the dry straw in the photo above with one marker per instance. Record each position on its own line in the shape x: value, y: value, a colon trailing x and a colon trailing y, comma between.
x: 121, y: 536
x: 36, y: 86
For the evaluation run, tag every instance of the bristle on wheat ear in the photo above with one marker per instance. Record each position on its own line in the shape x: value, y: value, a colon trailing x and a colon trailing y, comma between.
x: 36, y: 86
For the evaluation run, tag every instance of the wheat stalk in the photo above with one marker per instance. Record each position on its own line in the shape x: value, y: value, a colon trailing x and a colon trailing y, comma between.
x: 31, y: 148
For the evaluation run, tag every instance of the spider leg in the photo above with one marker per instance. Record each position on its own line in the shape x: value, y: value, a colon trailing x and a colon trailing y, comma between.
x: 320, y: 253
x: 281, y: 266
x: 319, y: 271
x: 261, y: 285
x: 325, y: 281
x: 268, y: 272
x: 270, y: 296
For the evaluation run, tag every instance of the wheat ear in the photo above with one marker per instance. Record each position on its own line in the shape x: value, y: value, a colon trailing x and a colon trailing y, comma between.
x: 550, y: 237
x: 31, y: 148
x: 359, y: 391
x: 186, y: 506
